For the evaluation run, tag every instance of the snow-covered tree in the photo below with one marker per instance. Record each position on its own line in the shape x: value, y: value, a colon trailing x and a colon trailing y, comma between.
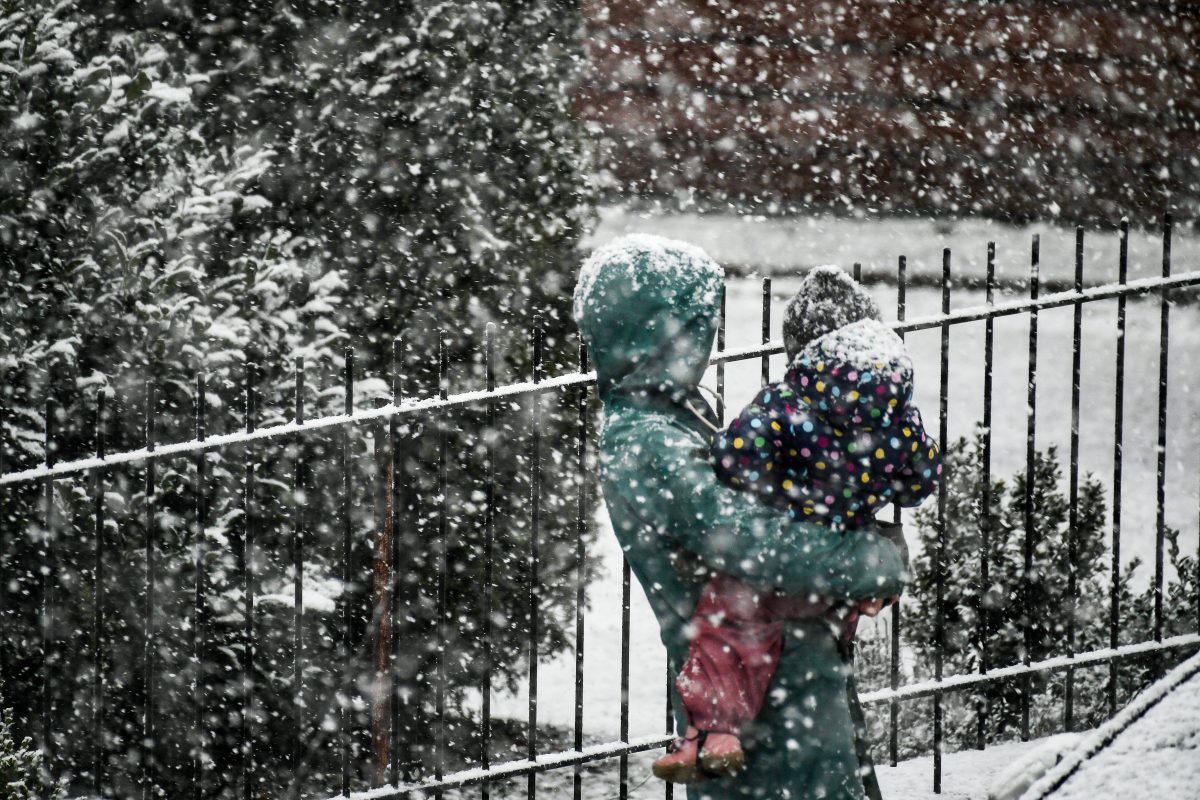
x: 193, y: 186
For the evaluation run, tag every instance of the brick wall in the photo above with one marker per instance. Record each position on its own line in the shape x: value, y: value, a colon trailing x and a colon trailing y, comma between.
x: 1078, y: 109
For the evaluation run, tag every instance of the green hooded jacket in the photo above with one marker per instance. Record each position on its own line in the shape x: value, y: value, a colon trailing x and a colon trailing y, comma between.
x: 647, y: 307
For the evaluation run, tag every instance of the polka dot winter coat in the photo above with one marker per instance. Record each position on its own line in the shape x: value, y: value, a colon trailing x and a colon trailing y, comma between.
x: 839, y: 437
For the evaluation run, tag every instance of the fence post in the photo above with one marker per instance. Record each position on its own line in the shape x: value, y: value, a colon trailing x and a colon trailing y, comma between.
x: 348, y: 682
x: 1073, y: 513
x: 381, y: 620
x: 49, y: 579
x: 1030, y: 477
x: 894, y: 650
x: 1161, y: 475
x: 489, y: 542
x: 148, y: 661
x: 299, y: 520
x: 580, y: 565
x: 246, y: 567
x: 1118, y: 456
x: 534, y: 557
x: 98, y: 749
x: 941, y: 568
x: 200, y: 625
x: 985, y: 519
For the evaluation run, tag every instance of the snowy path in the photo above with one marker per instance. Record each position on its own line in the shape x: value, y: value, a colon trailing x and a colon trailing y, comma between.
x: 1149, y: 749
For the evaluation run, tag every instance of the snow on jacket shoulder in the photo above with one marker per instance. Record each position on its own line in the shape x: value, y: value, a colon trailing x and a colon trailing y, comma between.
x: 839, y: 437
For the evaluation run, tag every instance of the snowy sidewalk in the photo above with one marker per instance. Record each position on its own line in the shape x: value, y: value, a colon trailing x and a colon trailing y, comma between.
x: 966, y: 775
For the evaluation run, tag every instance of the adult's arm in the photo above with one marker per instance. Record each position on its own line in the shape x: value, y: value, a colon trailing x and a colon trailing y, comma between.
x: 735, y: 534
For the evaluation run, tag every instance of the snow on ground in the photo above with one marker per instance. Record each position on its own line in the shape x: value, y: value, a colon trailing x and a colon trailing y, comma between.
x: 967, y: 775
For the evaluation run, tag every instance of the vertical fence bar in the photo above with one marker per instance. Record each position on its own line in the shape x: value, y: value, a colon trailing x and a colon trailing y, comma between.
x: 721, y: 366
x: 623, y: 765
x: 300, y: 520
x: 943, y: 416
x: 669, y: 727
x: 443, y: 562
x: 623, y: 761
x: 380, y: 633
x: 534, y: 567
x: 581, y: 434
x: 246, y: 567
x: 489, y: 547
x: 894, y: 650
x: 1030, y: 455
x: 985, y: 514
x: 394, y: 560
x: 199, y: 628
x: 1073, y: 512
x: 1160, y: 527
x: 49, y: 578
x: 148, y: 488
x: 1114, y: 613
x: 766, y: 328
x: 347, y: 545
x: 98, y: 749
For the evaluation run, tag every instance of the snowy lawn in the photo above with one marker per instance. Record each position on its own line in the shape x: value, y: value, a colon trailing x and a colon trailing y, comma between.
x: 782, y: 245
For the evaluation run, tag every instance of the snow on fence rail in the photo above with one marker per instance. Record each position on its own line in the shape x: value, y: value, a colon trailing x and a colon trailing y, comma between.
x: 404, y: 779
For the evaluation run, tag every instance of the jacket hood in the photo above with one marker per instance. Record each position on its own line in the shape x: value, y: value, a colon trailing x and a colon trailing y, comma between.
x: 647, y: 308
x: 859, y: 375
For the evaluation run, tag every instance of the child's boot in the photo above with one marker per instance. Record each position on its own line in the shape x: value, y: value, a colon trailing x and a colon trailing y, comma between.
x: 700, y: 755
x: 721, y: 754
x: 679, y: 764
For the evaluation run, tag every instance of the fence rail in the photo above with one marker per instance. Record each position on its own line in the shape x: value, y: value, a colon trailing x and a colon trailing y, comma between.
x: 570, y: 380
x: 355, y: 639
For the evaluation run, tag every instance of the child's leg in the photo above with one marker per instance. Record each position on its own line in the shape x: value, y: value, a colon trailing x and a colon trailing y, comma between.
x: 735, y: 645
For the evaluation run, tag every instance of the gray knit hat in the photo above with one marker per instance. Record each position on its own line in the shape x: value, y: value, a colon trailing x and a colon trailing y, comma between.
x: 827, y: 299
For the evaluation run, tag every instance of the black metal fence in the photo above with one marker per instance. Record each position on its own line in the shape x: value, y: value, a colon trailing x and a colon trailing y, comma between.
x: 455, y: 752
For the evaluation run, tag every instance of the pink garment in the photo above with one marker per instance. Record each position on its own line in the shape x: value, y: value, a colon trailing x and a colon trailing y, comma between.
x: 737, y: 637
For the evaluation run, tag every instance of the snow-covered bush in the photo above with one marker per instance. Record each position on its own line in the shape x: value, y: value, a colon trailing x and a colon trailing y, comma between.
x: 21, y: 775
x: 1007, y: 605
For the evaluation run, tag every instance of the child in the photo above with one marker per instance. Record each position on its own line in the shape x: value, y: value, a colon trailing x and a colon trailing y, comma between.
x: 833, y: 442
